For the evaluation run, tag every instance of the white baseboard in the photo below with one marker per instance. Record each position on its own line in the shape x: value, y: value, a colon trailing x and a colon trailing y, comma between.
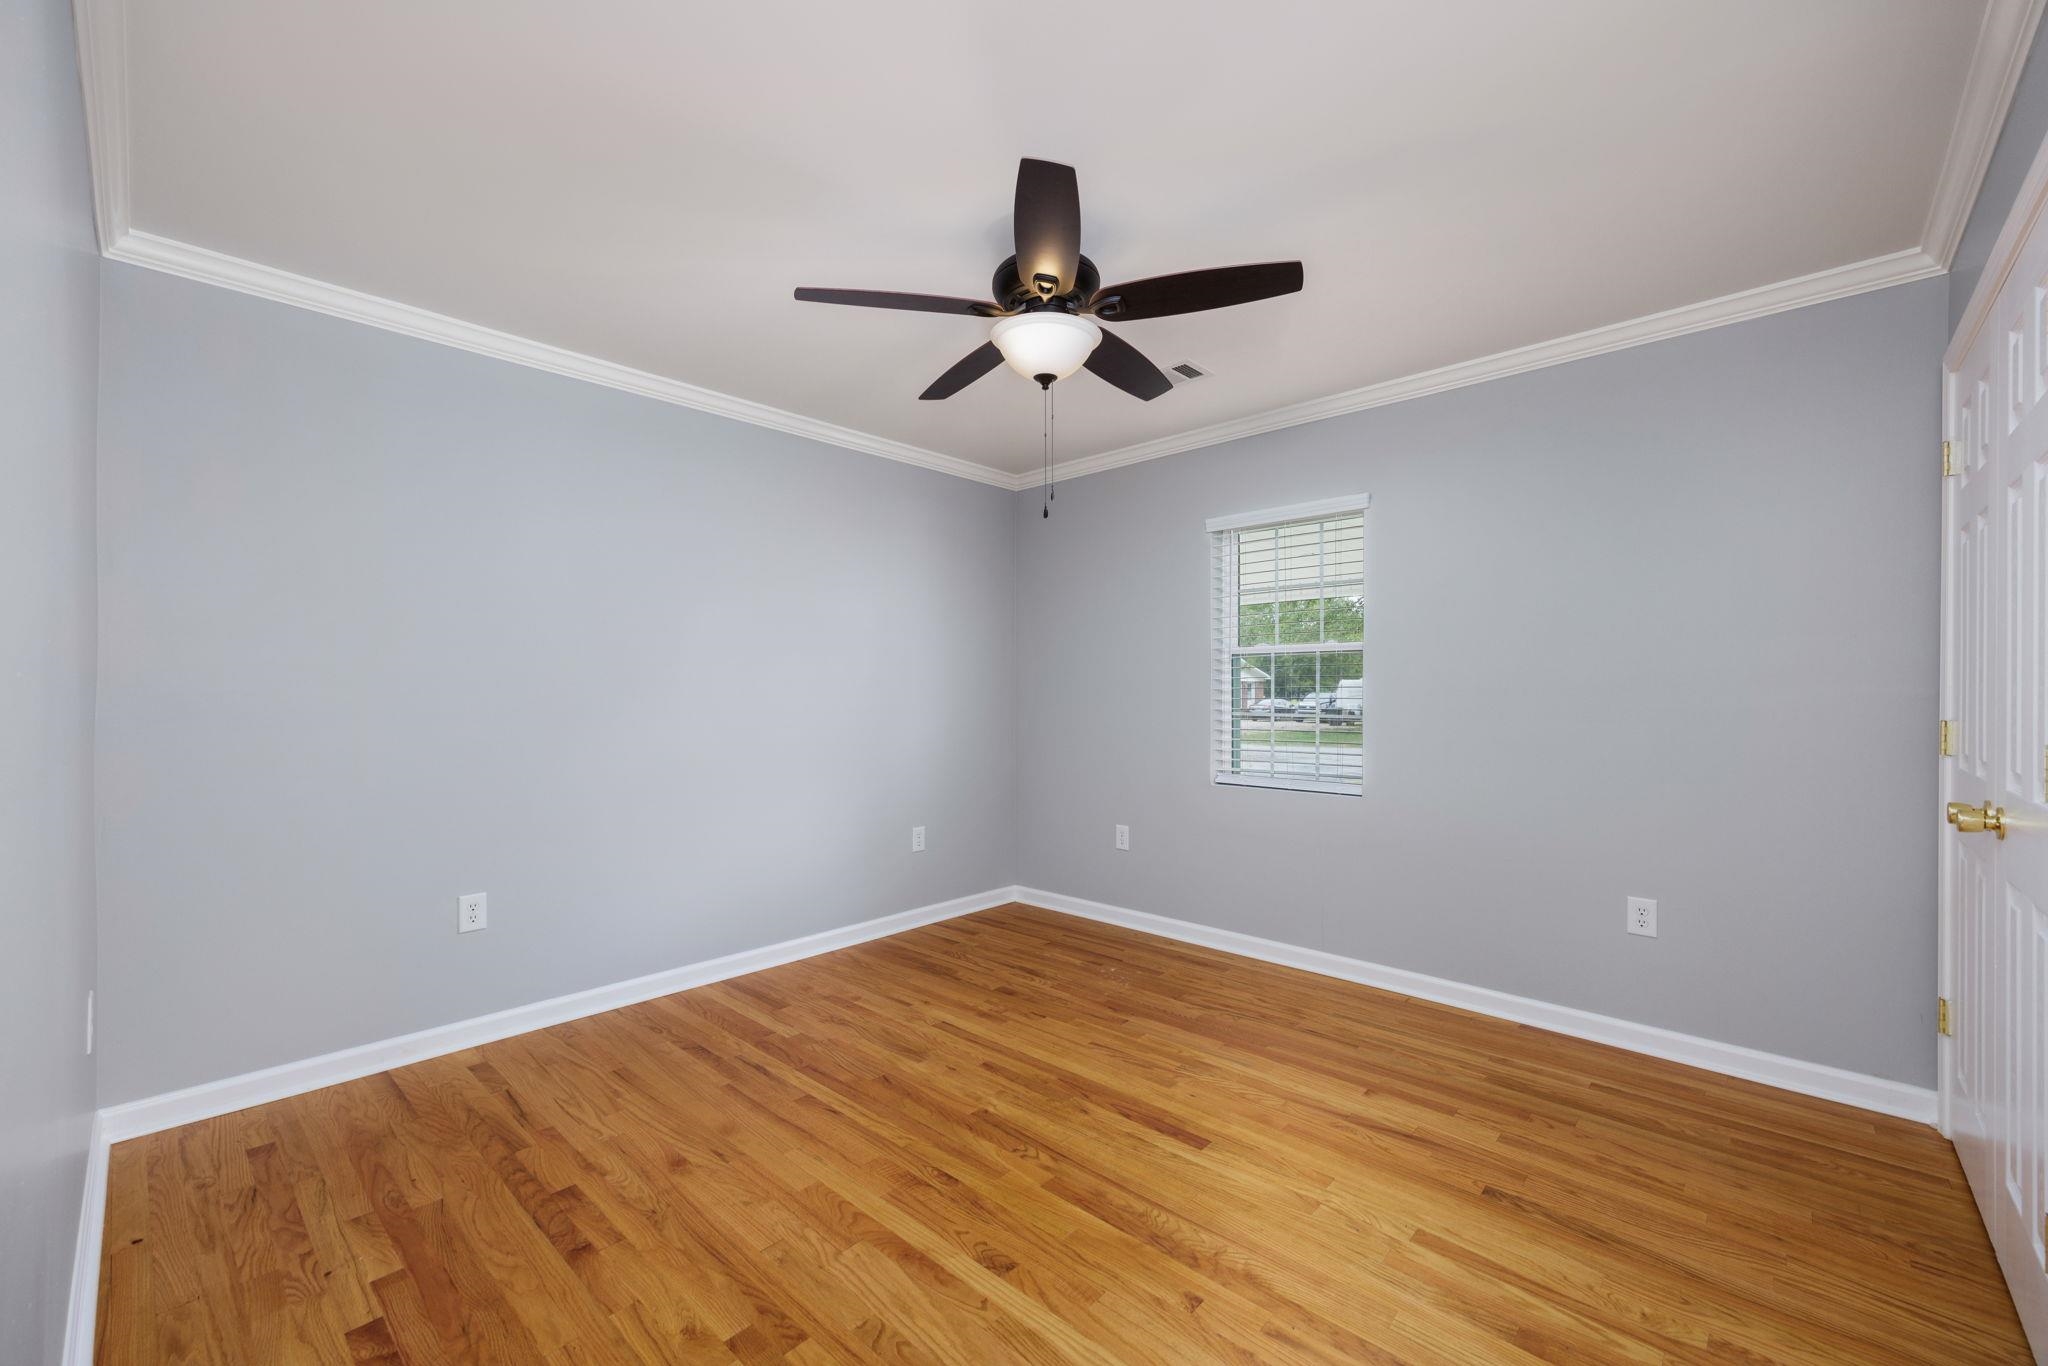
x: 118, y: 1122
x: 1791, y: 1074
x: 222, y: 1097
x: 79, y: 1319
x: 136, y: 1118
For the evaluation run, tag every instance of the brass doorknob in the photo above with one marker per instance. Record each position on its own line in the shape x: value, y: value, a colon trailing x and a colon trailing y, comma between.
x: 1971, y: 819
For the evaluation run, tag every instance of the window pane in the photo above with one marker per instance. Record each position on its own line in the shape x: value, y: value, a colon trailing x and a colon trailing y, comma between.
x: 1344, y: 618
x: 1258, y: 580
x: 1344, y: 554
x: 1252, y: 714
x: 1294, y: 676
x: 1297, y: 584
x: 1312, y: 618
x: 1339, y: 714
x: 1301, y: 716
x: 1300, y: 584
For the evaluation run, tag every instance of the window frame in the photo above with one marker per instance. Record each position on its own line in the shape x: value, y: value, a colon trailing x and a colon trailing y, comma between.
x: 1223, y: 541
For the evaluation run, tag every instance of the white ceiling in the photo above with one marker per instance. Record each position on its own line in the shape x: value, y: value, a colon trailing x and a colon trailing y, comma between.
x: 644, y: 181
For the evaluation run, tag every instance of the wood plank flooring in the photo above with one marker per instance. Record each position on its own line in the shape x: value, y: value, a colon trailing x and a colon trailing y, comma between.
x: 1019, y: 1136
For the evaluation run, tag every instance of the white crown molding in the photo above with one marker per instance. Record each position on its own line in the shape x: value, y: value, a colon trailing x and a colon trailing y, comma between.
x: 1860, y: 277
x: 268, y: 282
x: 1734, y: 1060
x: 103, y: 79
x: 2002, y: 44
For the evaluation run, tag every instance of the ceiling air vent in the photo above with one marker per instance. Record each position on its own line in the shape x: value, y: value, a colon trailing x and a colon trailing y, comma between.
x: 1185, y: 373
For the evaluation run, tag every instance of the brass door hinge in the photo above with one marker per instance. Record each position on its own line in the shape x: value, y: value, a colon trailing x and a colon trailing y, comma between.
x: 1948, y: 739
x: 1944, y: 1020
x: 1949, y: 463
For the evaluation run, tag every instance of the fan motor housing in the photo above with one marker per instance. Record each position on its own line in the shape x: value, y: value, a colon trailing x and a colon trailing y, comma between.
x: 1016, y: 293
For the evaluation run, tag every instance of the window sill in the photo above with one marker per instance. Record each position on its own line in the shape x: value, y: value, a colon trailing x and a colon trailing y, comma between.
x: 1290, y: 784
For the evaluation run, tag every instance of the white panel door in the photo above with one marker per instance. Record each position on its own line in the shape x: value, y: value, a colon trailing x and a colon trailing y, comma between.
x: 1995, y: 892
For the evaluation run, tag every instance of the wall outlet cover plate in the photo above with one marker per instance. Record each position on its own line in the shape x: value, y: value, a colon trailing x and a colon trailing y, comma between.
x: 1642, y: 916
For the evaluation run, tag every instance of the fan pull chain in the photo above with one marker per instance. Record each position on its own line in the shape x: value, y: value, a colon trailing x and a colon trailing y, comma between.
x: 1044, y: 449
x: 1052, y: 445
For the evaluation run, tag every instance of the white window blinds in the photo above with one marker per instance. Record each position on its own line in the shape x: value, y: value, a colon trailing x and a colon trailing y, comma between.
x: 1288, y: 679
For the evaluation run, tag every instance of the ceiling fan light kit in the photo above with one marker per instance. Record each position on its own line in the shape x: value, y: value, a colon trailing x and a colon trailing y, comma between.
x: 1045, y: 345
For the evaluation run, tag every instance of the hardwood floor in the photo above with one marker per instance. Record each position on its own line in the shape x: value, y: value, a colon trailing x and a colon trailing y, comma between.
x: 1019, y: 1136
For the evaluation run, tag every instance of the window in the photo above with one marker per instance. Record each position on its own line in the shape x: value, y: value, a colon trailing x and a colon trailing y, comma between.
x: 1288, y: 678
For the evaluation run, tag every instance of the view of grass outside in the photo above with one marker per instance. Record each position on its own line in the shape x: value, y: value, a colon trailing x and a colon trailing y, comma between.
x: 1288, y: 734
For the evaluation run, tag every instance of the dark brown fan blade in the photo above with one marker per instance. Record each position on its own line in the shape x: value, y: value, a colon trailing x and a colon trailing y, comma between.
x: 965, y: 371
x: 1047, y: 222
x: 915, y: 303
x: 1123, y: 365
x: 1195, y: 291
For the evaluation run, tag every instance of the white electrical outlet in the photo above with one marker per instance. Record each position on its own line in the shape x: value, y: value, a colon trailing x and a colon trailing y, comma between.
x: 917, y: 839
x: 1642, y: 916
x: 88, y: 1023
x: 1123, y: 838
x: 471, y: 914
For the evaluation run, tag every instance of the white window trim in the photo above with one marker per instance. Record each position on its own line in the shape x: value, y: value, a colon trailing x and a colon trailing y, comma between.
x: 1298, y: 512
x: 1275, y: 783
x: 1247, y: 521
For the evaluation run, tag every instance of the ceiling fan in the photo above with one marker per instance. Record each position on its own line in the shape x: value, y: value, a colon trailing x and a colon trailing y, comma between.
x: 1049, y: 298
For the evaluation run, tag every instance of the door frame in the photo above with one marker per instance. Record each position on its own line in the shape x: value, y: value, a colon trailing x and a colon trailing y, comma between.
x: 1945, y: 850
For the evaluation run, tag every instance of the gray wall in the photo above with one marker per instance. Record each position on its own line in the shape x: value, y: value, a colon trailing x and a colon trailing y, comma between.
x: 1658, y: 623
x: 2026, y: 123
x: 383, y: 622
x: 49, y: 284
